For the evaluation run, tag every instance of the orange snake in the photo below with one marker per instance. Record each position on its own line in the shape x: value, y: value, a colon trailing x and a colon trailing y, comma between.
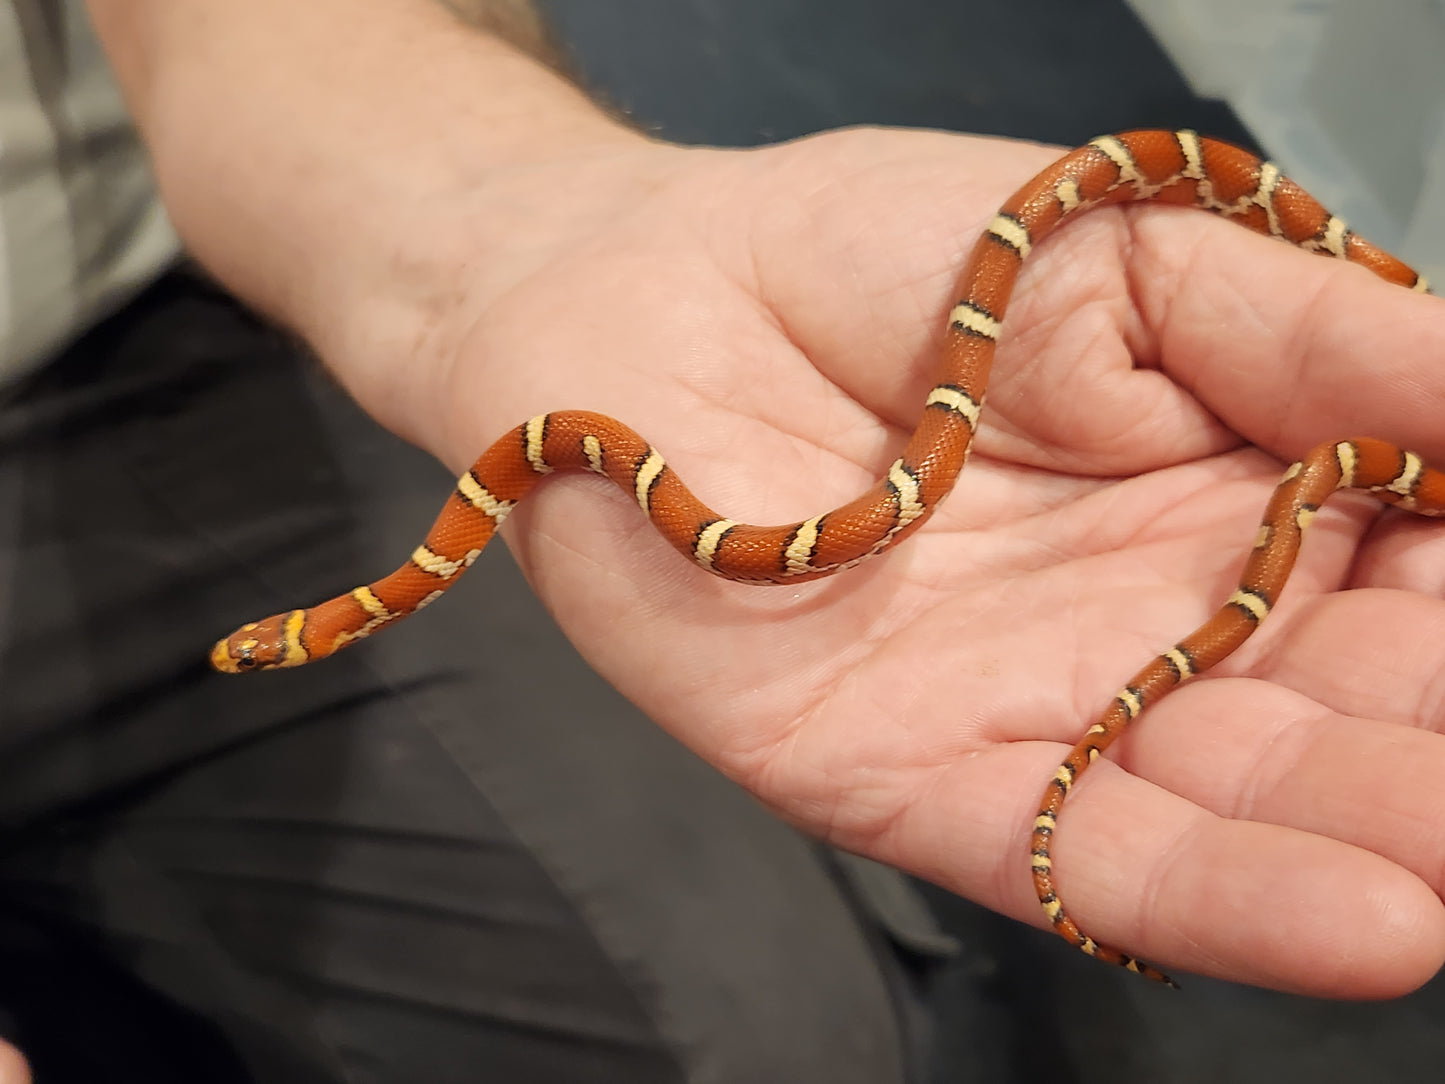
x: 1171, y: 167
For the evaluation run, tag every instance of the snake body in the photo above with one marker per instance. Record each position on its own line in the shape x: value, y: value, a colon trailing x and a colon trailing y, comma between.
x: 1179, y: 168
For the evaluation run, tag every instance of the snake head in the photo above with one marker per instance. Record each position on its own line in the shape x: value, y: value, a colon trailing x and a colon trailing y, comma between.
x: 269, y: 644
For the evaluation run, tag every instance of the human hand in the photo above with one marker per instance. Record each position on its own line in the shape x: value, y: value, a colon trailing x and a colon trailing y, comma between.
x: 767, y: 319
x: 13, y: 1069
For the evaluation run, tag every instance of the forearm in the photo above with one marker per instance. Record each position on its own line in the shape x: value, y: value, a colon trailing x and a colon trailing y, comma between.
x: 305, y: 151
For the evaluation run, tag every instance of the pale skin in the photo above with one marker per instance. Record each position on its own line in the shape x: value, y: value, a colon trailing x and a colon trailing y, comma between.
x: 467, y: 242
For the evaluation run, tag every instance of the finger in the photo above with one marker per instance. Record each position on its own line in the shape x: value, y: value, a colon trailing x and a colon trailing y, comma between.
x: 1404, y: 552
x: 1249, y: 750
x: 1152, y: 873
x: 1369, y: 653
x: 1288, y: 348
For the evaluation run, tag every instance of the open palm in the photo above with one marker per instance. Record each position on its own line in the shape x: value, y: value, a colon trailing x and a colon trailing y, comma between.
x: 768, y: 320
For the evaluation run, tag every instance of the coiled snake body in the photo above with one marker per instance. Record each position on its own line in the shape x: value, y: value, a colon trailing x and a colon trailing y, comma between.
x: 1171, y: 167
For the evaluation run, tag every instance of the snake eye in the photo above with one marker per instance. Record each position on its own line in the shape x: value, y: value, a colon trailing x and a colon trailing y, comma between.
x: 247, y: 662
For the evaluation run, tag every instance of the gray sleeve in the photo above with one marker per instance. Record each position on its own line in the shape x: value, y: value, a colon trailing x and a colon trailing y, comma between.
x: 81, y: 224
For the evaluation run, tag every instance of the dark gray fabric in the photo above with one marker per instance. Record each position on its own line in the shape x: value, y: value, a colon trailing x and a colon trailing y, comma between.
x: 410, y: 863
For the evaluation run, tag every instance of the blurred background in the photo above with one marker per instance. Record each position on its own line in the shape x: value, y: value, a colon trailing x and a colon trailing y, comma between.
x: 1348, y: 96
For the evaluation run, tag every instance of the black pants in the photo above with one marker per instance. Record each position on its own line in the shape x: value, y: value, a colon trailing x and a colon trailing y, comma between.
x: 453, y: 854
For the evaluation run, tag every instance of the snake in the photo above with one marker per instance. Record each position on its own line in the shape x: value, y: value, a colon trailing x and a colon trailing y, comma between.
x: 1180, y: 168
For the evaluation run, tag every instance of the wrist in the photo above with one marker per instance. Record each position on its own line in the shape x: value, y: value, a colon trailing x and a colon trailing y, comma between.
x: 395, y: 323
x: 388, y: 278
x: 357, y: 180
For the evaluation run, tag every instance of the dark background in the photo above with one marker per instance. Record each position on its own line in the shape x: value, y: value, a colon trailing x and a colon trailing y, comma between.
x: 742, y: 72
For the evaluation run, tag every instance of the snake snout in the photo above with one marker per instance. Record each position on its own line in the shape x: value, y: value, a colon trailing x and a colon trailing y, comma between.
x: 259, y: 645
